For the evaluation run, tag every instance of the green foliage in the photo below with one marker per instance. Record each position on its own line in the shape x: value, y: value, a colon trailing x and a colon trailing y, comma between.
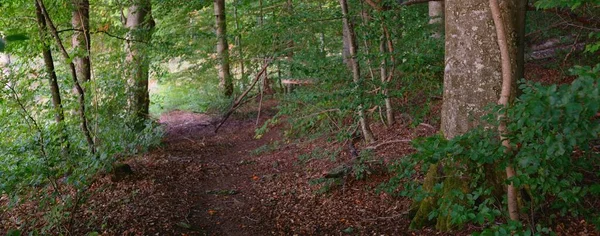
x: 329, y: 106
x: 553, y: 130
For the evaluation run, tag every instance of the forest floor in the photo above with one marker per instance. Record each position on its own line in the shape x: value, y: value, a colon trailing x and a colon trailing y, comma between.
x: 230, y: 183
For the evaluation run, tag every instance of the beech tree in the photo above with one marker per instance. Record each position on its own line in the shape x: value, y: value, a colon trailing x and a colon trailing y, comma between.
x: 472, y: 80
x: 141, y: 25
x: 225, y: 81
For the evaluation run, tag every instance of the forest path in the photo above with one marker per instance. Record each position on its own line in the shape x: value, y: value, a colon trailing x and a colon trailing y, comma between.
x: 197, y: 182
x: 229, y: 183
x: 223, y: 193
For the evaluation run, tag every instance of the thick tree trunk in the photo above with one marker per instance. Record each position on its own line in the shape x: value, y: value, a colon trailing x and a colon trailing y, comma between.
x: 225, y: 82
x: 472, y: 78
x: 80, y: 20
x: 352, y: 49
x: 141, y: 26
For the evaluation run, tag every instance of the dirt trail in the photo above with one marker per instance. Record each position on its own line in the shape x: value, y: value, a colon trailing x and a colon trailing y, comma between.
x: 202, y: 183
x: 198, y: 183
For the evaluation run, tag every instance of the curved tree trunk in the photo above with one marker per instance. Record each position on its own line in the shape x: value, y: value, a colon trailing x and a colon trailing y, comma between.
x: 353, y: 48
x: 141, y: 26
x: 472, y: 79
x: 225, y: 82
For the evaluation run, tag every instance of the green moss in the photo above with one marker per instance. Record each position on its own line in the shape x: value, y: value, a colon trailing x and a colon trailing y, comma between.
x: 423, y: 208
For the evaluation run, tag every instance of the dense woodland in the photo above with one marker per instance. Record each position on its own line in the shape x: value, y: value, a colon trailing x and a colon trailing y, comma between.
x: 289, y: 117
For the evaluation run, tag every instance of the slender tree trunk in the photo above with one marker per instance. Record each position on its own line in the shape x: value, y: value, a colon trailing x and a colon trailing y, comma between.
x: 290, y: 44
x: 80, y: 20
x: 238, y: 40
x: 352, y: 49
x: 385, y: 77
x: 78, y: 88
x: 141, y: 26
x: 365, y: 16
x: 59, y: 114
x: 506, y: 95
x: 225, y: 82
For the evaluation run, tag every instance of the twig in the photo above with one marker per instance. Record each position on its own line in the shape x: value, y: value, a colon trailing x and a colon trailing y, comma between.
x: 372, y: 147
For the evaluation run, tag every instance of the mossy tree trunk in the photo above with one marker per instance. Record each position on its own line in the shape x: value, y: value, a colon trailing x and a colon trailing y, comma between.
x: 472, y: 80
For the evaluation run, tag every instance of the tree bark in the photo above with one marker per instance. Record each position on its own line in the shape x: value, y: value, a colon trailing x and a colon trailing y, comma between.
x: 81, y: 43
x: 141, y: 26
x: 352, y: 49
x: 473, y: 76
x: 225, y: 82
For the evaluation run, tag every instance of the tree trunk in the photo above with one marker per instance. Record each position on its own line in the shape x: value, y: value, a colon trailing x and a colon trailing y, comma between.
x: 140, y: 25
x: 238, y: 41
x: 59, y: 115
x: 225, y: 82
x: 80, y: 20
x: 472, y: 78
x: 505, y: 96
x: 290, y: 43
x: 436, y: 17
x: 383, y: 69
x: 352, y: 49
